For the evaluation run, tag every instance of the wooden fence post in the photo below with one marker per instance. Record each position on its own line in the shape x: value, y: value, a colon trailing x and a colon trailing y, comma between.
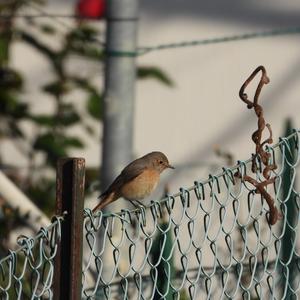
x: 69, y: 201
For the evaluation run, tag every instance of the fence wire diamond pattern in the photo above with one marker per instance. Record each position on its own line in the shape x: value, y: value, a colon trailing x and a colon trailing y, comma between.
x: 211, y: 241
x: 27, y: 273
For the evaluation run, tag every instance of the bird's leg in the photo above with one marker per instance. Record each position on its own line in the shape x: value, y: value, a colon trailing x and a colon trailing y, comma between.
x: 137, y: 205
x: 140, y: 204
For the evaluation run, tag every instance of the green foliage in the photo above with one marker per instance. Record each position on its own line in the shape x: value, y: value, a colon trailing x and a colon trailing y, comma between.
x: 68, y: 117
x: 10, y: 79
x: 56, y: 145
x: 51, y: 134
x: 94, y: 105
x: 154, y: 73
x: 4, y: 48
x: 11, y: 106
x: 57, y: 88
x: 83, y: 33
x: 47, y: 29
x: 43, y: 120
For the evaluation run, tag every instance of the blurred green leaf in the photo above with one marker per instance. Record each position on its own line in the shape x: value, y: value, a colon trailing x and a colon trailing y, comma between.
x: 83, y: 33
x: 73, y: 142
x: 51, y: 144
x: 94, y: 105
x: 11, y: 106
x: 43, y: 120
x: 154, y: 73
x: 11, y: 130
x: 69, y: 118
x: 57, y: 88
x: 10, y: 79
x: 14, y: 129
x: 4, y: 47
x: 47, y: 28
x: 66, y: 117
x: 89, y: 52
x: 78, y: 41
x: 83, y: 84
x: 55, y: 145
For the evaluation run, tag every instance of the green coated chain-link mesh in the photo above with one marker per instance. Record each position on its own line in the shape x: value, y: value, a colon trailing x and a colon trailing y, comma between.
x: 210, y: 241
x: 27, y: 273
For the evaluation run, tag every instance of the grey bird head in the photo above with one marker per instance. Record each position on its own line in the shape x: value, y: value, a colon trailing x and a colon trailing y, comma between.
x: 158, y: 160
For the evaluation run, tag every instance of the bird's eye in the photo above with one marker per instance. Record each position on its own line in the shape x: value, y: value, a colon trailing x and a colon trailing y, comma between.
x: 161, y: 162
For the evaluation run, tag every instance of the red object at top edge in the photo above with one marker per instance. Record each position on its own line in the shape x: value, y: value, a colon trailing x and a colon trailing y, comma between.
x: 91, y: 8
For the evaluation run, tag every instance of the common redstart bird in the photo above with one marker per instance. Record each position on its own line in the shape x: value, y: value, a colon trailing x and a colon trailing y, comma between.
x: 137, y: 180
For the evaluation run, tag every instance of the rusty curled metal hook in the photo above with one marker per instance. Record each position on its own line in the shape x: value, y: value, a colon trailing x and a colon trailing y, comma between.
x: 264, y: 79
x: 260, y: 152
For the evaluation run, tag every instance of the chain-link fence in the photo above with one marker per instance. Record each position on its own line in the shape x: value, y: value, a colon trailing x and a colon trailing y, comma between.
x: 210, y: 241
x: 27, y: 273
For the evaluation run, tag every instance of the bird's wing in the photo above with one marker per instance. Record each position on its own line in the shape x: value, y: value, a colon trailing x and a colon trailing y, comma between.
x: 131, y: 171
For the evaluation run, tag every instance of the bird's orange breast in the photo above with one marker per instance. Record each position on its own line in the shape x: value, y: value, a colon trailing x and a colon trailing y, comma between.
x: 141, y: 186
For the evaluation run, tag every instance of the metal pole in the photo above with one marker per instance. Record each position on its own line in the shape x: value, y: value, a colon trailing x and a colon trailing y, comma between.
x: 69, y: 200
x: 120, y: 76
x: 119, y: 94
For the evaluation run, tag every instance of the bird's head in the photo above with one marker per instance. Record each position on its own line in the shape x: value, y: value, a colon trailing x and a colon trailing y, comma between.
x: 159, y: 161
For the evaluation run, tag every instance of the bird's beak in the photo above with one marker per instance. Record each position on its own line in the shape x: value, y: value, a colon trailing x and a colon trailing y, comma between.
x: 171, y: 167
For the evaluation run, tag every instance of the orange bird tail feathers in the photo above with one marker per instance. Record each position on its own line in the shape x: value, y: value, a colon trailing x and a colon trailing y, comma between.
x: 104, y: 200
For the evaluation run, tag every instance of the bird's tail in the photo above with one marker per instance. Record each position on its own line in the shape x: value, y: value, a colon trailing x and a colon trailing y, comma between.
x: 104, y: 200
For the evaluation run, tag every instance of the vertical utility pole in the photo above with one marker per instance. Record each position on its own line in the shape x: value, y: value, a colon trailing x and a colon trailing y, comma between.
x: 120, y: 76
x: 69, y: 200
x: 119, y: 94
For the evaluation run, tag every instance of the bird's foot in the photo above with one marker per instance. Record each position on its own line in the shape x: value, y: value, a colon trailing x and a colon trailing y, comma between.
x: 138, y: 205
x: 141, y: 204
